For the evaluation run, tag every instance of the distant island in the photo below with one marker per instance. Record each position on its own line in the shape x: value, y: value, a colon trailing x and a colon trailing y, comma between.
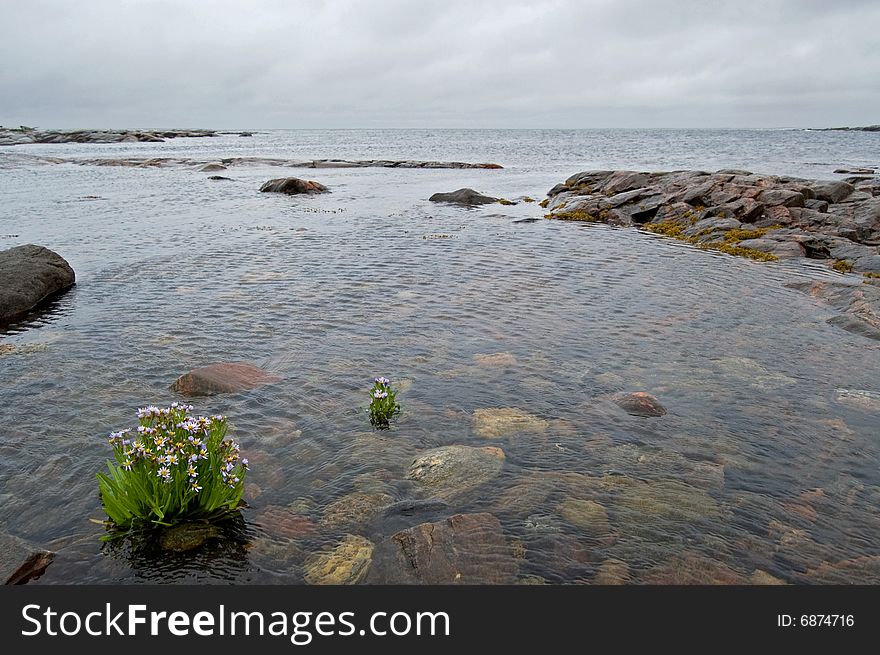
x: 13, y: 136
x: 867, y: 128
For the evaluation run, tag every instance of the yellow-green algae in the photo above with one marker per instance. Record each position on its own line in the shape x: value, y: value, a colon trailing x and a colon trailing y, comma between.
x: 729, y: 245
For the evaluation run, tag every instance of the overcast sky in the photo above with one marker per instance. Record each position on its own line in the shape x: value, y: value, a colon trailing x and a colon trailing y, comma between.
x: 443, y: 63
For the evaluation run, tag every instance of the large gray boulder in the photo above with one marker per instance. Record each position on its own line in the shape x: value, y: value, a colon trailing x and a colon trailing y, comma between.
x: 29, y: 275
x: 463, y: 197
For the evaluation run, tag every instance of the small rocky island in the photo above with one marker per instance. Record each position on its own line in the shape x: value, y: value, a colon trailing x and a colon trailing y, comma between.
x: 24, y: 134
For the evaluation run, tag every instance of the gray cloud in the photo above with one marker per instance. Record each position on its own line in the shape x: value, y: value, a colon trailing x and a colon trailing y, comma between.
x: 396, y: 63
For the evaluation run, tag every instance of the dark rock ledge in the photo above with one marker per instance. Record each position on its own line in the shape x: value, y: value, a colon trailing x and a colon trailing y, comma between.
x: 763, y: 217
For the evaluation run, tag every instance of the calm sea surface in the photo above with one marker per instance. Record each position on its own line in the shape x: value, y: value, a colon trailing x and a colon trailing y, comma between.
x: 758, y: 466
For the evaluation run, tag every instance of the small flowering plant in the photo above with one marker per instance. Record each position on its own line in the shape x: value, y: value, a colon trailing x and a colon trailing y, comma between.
x: 383, y: 403
x: 174, y: 467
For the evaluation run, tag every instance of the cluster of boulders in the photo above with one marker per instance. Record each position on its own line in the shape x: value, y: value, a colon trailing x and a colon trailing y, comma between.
x: 736, y: 211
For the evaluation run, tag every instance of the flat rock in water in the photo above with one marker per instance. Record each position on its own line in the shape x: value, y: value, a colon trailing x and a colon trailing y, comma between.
x: 463, y: 197
x: 292, y: 186
x: 497, y: 422
x: 639, y: 403
x: 228, y: 377
x: 21, y: 561
x: 463, y: 549
x: 452, y: 471
x: 348, y: 563
x: 29, y: 275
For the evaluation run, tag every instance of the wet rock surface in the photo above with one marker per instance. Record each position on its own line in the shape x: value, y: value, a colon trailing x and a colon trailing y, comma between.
x: 463, y: 197
x: 29, y: 275
x: 463, y: 549
x: 292, y: 186
x: 228, y: 377
x: 639, y: 403
x: 348, y: 563
x: 21, y: 561
x: 859, y: 305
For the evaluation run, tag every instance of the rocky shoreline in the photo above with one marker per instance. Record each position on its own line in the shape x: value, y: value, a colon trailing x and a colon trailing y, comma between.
x: 761, y: 217
x: 764, y: 217
x: 209, y: 165
x: 23, y: 135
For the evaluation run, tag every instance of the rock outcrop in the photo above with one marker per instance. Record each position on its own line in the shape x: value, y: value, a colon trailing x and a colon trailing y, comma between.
x: 9, y: 160
x: 292, y: 186
x: 764, y: 217
x: 29, y: 275
x: 464, y: 197
x: 22, y: 135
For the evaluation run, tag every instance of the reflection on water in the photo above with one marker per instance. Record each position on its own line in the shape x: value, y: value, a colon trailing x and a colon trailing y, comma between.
x: 513, y: 336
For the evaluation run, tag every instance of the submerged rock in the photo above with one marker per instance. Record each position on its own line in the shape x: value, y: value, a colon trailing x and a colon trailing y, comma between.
x: 284, y: 523
x: 463, y: 197
x: 292, y: 186
x: 494, y: 360
x: 693, y: 569
x: 228, y: 377
x: 348, y: 563
x: 588, y: 515
x: 355, y: 509
x: 639, y: 403
x: 491, y: 423
x: 613, y: 572
x: 21, y: 561
x: 667, y: 499
x: 452, y: 471
x: 187, y: 536
x: 30, y: 275
x: 463, y: 549
x: 863, y: 399
x: 860, y: 570
x: 859, y: 304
